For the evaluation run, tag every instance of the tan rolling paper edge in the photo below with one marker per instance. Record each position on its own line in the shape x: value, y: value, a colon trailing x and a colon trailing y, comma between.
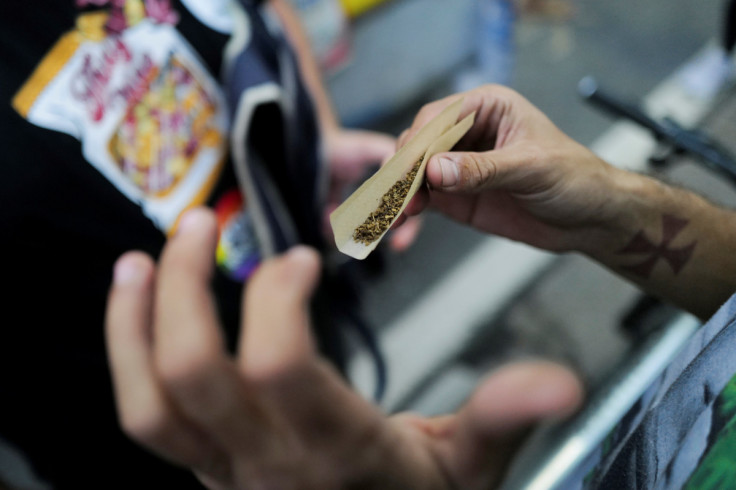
x: 437, y: 136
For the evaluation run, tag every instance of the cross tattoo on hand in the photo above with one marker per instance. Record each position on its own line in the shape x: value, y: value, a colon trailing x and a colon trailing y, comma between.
x: 676, y: 257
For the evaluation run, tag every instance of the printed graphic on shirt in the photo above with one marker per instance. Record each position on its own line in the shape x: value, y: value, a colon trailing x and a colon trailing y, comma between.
x: 237, y: 250
x: 150, y: 117
x: 716, y: 468
x: 163, y: 131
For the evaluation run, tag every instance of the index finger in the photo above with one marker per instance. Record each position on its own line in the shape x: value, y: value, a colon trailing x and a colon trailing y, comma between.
x: 426, y: 114
x: 491, y: 103
x: 190, y: 353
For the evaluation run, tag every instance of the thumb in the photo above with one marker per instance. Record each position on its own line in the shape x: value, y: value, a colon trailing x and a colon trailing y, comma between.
x: 467, y: 171
x: 494, y: 423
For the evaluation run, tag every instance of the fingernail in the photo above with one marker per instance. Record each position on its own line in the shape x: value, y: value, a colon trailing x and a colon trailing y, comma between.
x: 193, y: 219
x: 450, y: 174
x: 297, y: 250
x: 300, y: 253
x: 186, y: 221
x: 127, y: 270
x: 299, y: 266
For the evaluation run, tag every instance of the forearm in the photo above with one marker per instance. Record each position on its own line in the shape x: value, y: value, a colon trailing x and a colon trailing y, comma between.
x: 538, y: 186
x: 308, y: 67
x: 671, y: 242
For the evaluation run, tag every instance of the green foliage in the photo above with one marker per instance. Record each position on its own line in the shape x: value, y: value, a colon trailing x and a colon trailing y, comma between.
x: 728, y: 401
x: 718, y: 469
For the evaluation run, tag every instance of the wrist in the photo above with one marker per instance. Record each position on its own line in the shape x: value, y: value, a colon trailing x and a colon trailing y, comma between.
x: 650, y: 221
x: 633, y: 204
x: 671, y: 242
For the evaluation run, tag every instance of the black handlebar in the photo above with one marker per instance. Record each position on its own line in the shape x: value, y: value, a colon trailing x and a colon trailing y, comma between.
x: 682, y: 140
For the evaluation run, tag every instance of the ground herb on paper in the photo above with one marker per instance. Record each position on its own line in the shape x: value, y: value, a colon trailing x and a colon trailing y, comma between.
x: 380, y: 220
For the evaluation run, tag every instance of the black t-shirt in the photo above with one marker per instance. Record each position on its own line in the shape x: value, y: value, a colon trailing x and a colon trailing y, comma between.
x: 74, y: 196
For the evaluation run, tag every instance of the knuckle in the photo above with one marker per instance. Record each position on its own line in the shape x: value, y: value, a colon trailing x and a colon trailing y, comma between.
x: 289, y: 373
x: 276, y: 374
x: 402, y: 138
x: 183, y: 366
x: 479, y: 170
x: 148, y: 425
x: 422, y: 114
x: 427, y: 112
x: 272, y: 275
x: 499, y: 90
x: 181, y: 259
x: 535, y: 155
x: 536, y: 159
x: 177, y: 263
